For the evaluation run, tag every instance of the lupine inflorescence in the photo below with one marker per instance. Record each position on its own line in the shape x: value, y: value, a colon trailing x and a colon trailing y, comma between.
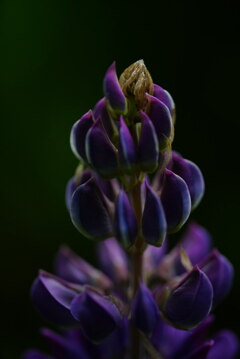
x: 130, y: 192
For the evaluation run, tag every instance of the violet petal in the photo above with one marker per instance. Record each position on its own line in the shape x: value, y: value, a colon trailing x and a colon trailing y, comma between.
x: 112, y: 89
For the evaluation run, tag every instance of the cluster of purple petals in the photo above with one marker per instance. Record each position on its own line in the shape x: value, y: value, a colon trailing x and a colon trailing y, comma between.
x: 94, y: 308
x: 124, y: 147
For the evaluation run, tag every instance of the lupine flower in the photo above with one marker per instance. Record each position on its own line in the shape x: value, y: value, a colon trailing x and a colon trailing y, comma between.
x: 130, y: 192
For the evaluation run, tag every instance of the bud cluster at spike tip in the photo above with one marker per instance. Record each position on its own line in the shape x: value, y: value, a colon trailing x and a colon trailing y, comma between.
x: 96, y: 310
x: 130, y: 193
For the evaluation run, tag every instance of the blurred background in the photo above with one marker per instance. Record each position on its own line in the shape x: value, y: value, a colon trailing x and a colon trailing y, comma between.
x: 53, y: 58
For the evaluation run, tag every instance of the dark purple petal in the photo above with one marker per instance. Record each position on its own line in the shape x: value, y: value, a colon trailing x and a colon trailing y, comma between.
x: 78, y: 134
x: 113, y: 260
x: 52, y: 297
x: 226, y: 346
x: 113, y: 91
x: 100, y: 152
x: 191, y: 174
x: 190, y: 301
x: 109, y: 187
x: 125, y: 222
x: 127, y: 152
x: 148, y: 153
x: 97, y: 315
x: 35, y: 354
x: 161, y: 118
x: 220, y: 273
x: 100, y: 112
x: 62, y: 347
x: 154, y: 224
x: 89, y: 212
x: 176, y: 201
x: 165, y: 97
x: 76, y: 270
x: 144, y: 311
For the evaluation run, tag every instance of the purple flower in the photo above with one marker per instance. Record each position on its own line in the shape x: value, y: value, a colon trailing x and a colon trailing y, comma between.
x: 151, y: 297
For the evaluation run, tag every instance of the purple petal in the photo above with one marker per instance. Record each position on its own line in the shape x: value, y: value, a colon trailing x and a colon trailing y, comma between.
x: 125, y: 222
x: 101, y: 153
x: 190, y: 301
x: 52, y: 297
x: 154, y: 224
x: 176, y: 201
x: 80, y: 177
x: 110, y: 188
x: 70, y: 188
x: 35, y: 354
x: 113, y: 91
x: 220, y: 273
x: 191, y: 174
x: 161, y: 118
x: 100, y: 112
x: 148, y: 153
x: 76, y: 270
x: 163, y: 337
x: 97, y: 315
x: 226, y: 346
x: 63, y: 348
x: 165, y: 97
x: 127, y: 152
x: 89, y: 211
x: 78, y: 134
x: 113, y: 260
x: 144, y: 310
x: 151, y: 259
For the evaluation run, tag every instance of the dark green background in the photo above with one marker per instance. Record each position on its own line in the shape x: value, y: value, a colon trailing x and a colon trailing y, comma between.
x: 53, y: 58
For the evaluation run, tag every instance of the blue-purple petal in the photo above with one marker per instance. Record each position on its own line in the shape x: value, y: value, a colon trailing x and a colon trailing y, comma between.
x: 144, y: 311
x: 190, y: 301
x: 97, y: 315
x: 226, y: 346
x: 52, y: 297
x: 125, y: 221
x: 165, y: 97
x: 154, y: 225
x: 89, y: 212
x: 176, y: 201
x: 113, y: 91
x: 78, y: 134
x: 148, y: 153
x: 127, y: 151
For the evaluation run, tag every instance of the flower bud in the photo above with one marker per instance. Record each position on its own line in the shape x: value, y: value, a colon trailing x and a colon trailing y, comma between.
x: 97, y: 315
x: 148, y: 152
x: 112, y: 90
x: 127, y: 151
x: 154, y: 224
x: 165, y: 97
x: 189, y: 302
x: 191, y: 174
x: 101, y: 153
x: 52, y: 297
x: 176, y: 201
x: 220, y: 273
x: 76, y: 270
x: 135, y: 81
x: 161, y: 119
x: 113, y: 260
x: 125, y: 221
x: 78, y: 134
x: 100, y: 112
x: 144, y: 310
x: 89, y: 211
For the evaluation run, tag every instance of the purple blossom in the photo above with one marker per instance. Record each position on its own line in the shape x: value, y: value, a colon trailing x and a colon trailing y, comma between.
x: 148, y: 299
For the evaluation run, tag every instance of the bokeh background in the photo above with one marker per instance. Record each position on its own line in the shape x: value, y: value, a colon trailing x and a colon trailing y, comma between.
x: 53, y: 57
